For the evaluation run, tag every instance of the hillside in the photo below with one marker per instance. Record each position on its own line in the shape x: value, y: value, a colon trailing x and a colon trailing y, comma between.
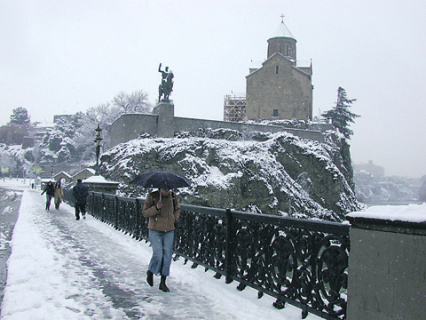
x: 388, y: 190
x: 265, y: 173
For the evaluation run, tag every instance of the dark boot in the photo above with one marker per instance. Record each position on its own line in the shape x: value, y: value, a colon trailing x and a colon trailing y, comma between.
x: 163, y: 286
x: 150, y: 278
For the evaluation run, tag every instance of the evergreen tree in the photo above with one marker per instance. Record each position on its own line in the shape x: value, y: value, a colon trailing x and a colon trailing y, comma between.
x: 340, y: 115
x: 20, y: 116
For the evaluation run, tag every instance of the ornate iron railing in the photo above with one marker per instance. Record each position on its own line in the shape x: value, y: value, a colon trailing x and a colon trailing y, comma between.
x: 302, y: 262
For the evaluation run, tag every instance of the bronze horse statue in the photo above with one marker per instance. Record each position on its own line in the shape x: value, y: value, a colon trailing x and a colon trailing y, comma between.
x: 166, y: 86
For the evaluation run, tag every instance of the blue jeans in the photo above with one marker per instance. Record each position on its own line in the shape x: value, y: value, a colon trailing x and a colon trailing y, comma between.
x: 162, y: 250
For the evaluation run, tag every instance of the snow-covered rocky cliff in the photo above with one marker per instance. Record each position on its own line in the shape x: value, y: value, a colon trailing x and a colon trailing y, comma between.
x: 265, y: 173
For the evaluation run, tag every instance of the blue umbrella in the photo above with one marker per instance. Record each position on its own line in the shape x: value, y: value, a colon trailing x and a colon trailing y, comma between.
x: 161, y: 179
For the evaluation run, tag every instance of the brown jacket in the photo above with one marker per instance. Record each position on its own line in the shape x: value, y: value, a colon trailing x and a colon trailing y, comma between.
x: 58, y: 195
x: 165, y: 218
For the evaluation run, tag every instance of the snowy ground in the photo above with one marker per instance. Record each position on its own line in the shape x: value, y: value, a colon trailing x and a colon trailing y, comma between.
x: 10, y: 201
x: 61, y: 268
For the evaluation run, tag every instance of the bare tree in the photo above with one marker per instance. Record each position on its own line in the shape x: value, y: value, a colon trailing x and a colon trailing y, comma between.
x: 136, y: 101
x: 103, y: 113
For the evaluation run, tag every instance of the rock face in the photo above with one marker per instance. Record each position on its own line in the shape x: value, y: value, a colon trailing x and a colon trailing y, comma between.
x: 266, y: 173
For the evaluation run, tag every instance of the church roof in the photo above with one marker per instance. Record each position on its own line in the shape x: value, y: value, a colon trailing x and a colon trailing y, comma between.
x: 280, y: 56
x: 282, y: 31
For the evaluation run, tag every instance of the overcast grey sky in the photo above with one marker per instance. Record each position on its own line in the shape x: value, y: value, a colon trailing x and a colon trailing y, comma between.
x: 66, y: 56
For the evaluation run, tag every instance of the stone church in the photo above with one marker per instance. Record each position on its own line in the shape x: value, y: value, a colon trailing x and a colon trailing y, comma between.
x: 279, y: 89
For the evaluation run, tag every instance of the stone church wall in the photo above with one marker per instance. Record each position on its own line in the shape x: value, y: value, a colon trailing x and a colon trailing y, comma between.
x: 279, y: 86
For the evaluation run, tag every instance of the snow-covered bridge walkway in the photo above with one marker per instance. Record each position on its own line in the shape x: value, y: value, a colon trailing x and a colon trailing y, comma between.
x: 61, y: 268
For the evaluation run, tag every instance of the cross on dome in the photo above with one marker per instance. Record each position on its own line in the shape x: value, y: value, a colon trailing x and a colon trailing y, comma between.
x: 282, y: 30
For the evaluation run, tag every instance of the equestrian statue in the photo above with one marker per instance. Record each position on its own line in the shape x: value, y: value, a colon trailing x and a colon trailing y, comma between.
x: 166, y: 86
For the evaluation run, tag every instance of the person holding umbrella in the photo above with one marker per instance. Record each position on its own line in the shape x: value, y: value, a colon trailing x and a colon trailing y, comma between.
x: 162, y: 209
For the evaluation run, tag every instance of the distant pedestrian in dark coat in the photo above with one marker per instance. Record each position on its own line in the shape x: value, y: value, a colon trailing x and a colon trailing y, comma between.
x: 50, y: 192
x: 59, y: 193
x: 80, y: 193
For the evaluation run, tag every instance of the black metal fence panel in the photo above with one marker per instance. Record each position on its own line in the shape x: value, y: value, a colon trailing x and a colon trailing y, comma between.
x: 302, y: 262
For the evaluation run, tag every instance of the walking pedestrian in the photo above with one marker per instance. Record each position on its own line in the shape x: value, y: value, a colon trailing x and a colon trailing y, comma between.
x: 80, y: 193
x: 59, y: 193
x: 50, y: 192
x: 162, y: 209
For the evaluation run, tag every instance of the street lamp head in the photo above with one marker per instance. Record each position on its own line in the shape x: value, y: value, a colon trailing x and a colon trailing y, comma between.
x: 98, y: 137
x: 98, y: 140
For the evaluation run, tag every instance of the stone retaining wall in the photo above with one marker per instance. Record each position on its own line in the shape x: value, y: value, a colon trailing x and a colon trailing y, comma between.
x: 387, y: 270
x: 164, y: 124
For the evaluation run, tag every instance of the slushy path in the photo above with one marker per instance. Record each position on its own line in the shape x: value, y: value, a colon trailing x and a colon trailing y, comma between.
x: 61, y: 268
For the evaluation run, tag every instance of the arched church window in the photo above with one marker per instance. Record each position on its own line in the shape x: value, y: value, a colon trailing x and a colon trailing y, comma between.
x: 277, y: 69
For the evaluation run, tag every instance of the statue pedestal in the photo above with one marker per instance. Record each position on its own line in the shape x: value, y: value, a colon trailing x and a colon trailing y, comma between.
x: 166, y: 115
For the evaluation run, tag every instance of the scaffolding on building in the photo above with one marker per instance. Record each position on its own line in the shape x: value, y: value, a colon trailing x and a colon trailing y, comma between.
x: 234, y: 108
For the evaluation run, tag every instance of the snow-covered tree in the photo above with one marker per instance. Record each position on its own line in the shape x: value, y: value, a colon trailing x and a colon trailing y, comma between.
x: 8, y: 163
x: 136, y: 101
x: 20, y: 116
x: 73, y: 141
x: 4, y: 172
x: 35, y: 152
x: 83, y: 139
x: 340, y: 116
x: 103, y: 113
x: 422, y: 191
x: 58, y: 143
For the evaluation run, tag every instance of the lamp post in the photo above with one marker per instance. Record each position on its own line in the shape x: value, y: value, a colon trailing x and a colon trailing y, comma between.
x: 98, y: 140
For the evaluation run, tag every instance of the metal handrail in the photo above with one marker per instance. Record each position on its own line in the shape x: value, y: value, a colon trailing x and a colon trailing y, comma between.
x: 302, y: 262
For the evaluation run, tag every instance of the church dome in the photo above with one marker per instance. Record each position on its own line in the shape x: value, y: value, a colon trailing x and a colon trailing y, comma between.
x: 282, y: 31
x: 282, y: 42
